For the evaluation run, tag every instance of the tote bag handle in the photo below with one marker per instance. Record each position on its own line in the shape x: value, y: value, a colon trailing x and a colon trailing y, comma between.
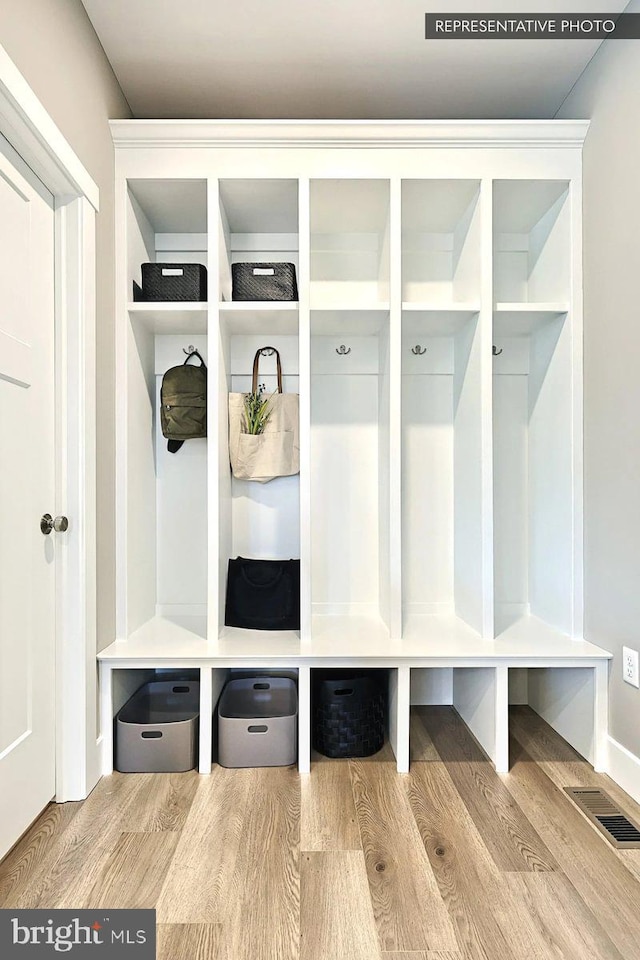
x: 256, y: 363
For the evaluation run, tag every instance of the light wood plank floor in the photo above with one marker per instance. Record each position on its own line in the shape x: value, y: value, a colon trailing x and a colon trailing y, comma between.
x: 450, y: 862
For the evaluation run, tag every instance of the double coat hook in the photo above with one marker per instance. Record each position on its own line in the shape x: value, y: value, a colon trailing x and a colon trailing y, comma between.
x: 342, y: 351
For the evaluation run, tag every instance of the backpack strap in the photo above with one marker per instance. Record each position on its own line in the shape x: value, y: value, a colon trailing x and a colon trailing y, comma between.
x: 195, y: 353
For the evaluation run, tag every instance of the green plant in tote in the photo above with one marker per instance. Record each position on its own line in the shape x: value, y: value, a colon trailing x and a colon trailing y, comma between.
x: 256, y: 411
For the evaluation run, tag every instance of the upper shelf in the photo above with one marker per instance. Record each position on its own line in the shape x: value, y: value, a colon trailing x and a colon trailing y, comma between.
x: 275, y: 317
x: 522, y: 319
x: 532, y: 241
x: 164, y: 318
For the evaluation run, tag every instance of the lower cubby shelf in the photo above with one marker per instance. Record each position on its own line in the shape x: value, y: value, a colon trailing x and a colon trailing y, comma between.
x: 563, y: 680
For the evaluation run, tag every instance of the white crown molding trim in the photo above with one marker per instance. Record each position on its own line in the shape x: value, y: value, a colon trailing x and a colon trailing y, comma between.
x: 350, y: 133
x: 624, y: 767
x: 33, y: 134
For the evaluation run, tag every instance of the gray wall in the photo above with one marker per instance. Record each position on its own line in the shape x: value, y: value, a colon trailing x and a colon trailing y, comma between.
x: 55, y: 48
x: 608, y: 93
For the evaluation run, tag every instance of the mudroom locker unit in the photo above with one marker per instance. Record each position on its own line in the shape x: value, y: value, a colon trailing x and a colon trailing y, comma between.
x: 436, y: 348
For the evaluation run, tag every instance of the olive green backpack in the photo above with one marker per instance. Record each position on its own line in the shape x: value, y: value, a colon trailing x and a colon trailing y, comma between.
x: 183, y: 403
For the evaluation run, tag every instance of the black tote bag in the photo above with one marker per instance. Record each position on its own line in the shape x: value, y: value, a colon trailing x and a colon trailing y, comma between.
x: 263, y: 594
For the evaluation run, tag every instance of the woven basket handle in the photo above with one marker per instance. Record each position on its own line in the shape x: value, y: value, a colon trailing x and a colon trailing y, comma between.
x: 256, y: 363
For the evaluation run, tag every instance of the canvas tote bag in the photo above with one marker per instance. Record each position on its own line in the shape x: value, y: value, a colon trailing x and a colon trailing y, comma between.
x: 276, y: 451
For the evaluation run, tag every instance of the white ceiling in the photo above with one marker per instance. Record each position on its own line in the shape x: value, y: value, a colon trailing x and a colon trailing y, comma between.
x: 332, y: 59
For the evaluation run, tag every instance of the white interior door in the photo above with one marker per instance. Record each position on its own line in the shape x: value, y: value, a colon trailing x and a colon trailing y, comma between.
x: 27, y: 478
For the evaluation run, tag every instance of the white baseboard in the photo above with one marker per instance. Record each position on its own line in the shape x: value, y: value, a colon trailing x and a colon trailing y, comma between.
x: 624, y: 767
x: 87, y: 778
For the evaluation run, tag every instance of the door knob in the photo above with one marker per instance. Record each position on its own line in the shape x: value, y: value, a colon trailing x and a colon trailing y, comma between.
x: 47, y: 524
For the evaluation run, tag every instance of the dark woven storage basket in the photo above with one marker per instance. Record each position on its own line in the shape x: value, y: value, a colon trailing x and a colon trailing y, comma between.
x: 348, y: 716
x: 264, y: 281
x: 172, y: 281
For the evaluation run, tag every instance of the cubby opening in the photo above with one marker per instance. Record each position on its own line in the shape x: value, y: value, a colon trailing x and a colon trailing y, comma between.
x: 350, y: 517
x: 166, y: 223
x: 126, y: 682
x: 441, y: 242
x: 349, y: 244
x: 342, y: 716
x: 533, y: 459
x: 258, y: 223
x: 442, y: 566
x: 564, y: 698
x: 166, y: 493
x: 220, y: 680
x: 258, y: 521
x: 469, y: 693
x: 531, y: 228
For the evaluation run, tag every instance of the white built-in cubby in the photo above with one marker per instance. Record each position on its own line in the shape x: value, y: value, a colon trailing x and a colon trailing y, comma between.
x: 257, y: 222
x: 349, y: 488
x: 350, y: 243
x: 532, y: 242
x: 537, y: 546
x: 163, y: 545
x: 436, y: 350
x: 442, y: 471
x: 441, y: 243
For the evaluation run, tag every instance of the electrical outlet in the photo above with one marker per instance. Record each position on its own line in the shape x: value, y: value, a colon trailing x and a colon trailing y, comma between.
x: 630, y: 666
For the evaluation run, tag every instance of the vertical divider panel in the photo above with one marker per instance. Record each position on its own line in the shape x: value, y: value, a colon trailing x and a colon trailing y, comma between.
x: 486, y: 401
x: 304, y: 369
x: 399, y: 710
x: 121, y: 411
x: 395, y: 413
x: 213, y: 442
x: 205, y: 719
x: 304, y: 719
x: 219, y: 482
x: 575, y: 318
x: 106, y: 716
x: 502, y: 719
x: 469, y: 485
x: 475, y: 699
x: 601, y: 715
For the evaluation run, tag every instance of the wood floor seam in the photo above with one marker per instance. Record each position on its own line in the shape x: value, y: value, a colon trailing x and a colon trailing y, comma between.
x: 449, y: 862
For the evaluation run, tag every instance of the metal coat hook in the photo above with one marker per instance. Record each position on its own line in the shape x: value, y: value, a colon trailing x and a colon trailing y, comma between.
x: 342, y: 350
x: 267, y: 352
x: 496, y: 352
x: 190, y: 349
x: 418, y: 350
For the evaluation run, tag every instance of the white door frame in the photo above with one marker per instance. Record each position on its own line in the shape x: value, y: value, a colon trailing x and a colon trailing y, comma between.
x: 31, y: 131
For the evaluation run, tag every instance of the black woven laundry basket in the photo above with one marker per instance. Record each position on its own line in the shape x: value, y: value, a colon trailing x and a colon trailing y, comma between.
x: 264, y: 281
x: 348, y: 716
x: 172, y: 281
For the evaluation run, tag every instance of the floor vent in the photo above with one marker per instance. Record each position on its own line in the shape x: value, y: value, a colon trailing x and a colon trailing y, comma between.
x: 608, y: 818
